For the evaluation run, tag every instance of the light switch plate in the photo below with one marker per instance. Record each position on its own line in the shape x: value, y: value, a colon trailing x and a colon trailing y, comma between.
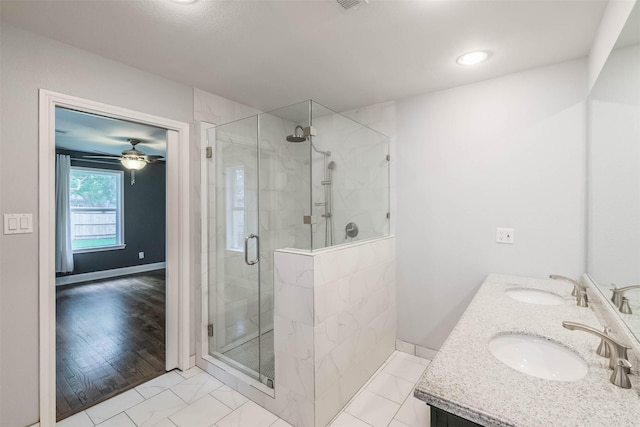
x: 18, y: 223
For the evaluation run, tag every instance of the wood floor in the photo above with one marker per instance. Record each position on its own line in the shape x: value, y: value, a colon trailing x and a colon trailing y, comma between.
x: 110, y: 337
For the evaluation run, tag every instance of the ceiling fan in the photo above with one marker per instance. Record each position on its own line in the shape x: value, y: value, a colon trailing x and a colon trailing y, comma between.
x: 132, y: 159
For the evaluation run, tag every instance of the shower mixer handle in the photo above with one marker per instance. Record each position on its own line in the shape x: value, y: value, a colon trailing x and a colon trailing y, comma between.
x: 246, y: 249
x: 351, y: 230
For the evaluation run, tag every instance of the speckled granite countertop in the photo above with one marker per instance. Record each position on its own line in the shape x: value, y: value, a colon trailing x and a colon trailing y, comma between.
x: 465, y: 379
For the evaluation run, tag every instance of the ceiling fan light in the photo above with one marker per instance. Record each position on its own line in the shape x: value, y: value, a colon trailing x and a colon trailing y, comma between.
x: 133, y: 164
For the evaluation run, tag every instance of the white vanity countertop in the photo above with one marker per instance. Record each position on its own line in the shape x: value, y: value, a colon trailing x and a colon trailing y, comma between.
x: 465, y: 379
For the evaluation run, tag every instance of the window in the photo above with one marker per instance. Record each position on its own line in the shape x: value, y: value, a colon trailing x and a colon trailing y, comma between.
x: 234, y: 176
x: 95, y: 196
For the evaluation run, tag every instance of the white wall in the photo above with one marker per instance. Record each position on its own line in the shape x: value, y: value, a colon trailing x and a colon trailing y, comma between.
x: 614, y: 18
x: 507, y: 152
x: 30, y: 62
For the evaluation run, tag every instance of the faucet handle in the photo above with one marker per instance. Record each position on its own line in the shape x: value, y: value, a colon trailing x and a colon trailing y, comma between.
x: 583, y: 299
x: 603, y: 348
x: 616, y: 295
x: 620, y: 376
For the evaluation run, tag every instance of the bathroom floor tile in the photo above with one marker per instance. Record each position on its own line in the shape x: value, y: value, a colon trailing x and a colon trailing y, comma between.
x: 347, y: 420
x: 249, y: 414
x: 404, y: 369
x: 194, y: 398
x: 109, y: 408
x: 81, y: 419
x: 154, y: 410
x: 280, y: 423
x: 202, y: 413
x: 165, y: 423
x: 120, y: 420
x: 229, y: 397
x: 395, y: 423
x: 391, y: 356
x: 160, y: 384
x: 414, y: 412
x: 195, y: 387
x: 373, y: 409
x: 190, y: 372
x: 391, y: 387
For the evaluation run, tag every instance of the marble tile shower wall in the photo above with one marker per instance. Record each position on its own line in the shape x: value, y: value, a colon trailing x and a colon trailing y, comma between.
x: 285, y: 199
x: 360, y: 179
x: 335, y: 325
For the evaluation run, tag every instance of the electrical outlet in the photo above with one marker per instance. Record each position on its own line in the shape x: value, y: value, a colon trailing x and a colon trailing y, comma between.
x: 504, y: 235
x: 140, y: 255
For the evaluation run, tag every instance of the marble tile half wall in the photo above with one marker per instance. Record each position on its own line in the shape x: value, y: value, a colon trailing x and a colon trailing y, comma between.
x: 335, y: 324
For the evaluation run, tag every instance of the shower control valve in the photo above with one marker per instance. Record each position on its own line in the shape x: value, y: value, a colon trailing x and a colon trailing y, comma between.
x: 351, y: 230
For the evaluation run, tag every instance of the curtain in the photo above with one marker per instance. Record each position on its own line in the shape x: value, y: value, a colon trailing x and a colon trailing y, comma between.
x: 64, y: 252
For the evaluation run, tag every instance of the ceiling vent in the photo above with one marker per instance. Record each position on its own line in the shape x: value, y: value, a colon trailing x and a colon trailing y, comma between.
x: 348, y: 4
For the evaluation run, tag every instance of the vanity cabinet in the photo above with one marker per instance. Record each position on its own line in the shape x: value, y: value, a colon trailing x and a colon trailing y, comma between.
x: 440, y: 418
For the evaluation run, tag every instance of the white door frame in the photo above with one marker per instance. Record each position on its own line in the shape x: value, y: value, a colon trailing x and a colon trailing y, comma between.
x: 178, y: 237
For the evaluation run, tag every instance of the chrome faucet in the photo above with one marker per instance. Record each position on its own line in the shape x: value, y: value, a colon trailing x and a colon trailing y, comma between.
x: 618, y: 298
x: 579, y: 290
x: 618, y: 354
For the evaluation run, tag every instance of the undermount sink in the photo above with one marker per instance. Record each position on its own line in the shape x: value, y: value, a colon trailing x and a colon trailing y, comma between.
x: 538, y: 357
x: 535, y: 296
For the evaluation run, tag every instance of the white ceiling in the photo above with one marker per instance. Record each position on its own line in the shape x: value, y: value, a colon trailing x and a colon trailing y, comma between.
x: 630, y: 34
x: 268, y: 54
x: 90, y: 133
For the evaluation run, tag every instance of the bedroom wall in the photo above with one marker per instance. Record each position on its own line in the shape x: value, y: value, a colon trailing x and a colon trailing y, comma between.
x: 144, y: 219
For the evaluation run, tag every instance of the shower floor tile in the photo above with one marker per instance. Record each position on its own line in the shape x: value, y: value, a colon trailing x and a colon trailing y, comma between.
x: 247, y: 354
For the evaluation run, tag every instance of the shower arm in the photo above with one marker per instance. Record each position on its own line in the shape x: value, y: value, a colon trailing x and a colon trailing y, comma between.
x: 324, y: 153
x: 309, y: 132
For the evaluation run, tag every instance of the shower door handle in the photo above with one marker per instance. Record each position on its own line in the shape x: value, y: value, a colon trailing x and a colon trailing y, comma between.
x: 246, y: 249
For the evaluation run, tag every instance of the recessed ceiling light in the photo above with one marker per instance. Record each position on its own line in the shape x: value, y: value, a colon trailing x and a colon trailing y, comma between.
x: 472, y: 58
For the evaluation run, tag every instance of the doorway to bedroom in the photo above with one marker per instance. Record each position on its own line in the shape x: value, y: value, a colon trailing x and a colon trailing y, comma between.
x: 110, y: 257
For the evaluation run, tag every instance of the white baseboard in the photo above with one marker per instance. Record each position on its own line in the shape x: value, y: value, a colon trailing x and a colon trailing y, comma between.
x: 416, y: 350
x: 105, y: 274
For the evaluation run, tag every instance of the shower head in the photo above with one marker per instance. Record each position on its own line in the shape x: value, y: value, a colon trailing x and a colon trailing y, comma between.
x: 298, y: 135
x: 295, y: 138
x: 331, y: 165
x: 301, y: 134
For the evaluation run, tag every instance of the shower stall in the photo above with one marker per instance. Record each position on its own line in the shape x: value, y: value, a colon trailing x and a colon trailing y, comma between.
x: 303, y: 178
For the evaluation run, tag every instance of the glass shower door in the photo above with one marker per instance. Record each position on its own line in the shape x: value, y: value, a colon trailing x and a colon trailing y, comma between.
x: 234, y: 246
